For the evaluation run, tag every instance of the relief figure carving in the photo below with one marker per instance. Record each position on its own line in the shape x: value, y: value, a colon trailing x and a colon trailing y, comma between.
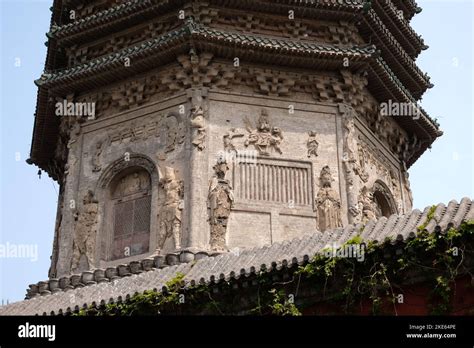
x: 221, y: 198
x: 170, y: 214
x: 328, y: 203
x: 85, y: 232
x: 312, y: 144
x: 228, y: 140
x: 96, y: 165
x: 265, y: 137
x: 198, y: 122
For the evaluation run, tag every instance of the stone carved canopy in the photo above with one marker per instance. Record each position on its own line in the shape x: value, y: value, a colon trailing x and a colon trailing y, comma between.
x: 384, y: 201
x: 127, y: 161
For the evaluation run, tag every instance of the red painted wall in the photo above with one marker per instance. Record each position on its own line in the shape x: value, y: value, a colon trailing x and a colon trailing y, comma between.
x: 416, y: 302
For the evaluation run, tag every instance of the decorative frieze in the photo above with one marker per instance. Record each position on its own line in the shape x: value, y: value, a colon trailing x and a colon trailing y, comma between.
x: 135, y: 132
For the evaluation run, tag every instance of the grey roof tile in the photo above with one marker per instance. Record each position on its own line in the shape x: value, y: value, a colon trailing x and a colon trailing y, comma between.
x: 229, y: 265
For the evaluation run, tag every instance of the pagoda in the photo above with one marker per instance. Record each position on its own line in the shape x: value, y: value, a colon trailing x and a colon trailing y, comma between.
x: 187, y: 127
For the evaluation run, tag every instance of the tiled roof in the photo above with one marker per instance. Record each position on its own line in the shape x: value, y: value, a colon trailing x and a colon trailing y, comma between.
x: 426, y: 123
x: 133, y: 7
x: 195, y: 30
x: 246, y: 262
x: 245, y: 41
x: 137, y: 8
x: 395, y: 49
x: 409, y: 7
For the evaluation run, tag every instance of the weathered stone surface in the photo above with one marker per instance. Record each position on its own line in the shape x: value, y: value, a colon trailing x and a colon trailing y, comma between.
x: 303, y: 139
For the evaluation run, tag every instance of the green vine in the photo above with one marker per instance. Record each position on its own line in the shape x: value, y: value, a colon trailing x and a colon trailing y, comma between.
x: 437, y: 259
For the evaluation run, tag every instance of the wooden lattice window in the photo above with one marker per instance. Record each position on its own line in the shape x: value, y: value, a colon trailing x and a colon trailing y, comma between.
x: 131, y: 198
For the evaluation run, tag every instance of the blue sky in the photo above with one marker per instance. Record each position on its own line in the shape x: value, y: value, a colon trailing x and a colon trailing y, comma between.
x: 28, y: 205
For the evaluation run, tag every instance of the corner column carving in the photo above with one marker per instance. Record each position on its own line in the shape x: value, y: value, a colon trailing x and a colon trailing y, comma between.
x: 195, y: 225
x: 350, y: 159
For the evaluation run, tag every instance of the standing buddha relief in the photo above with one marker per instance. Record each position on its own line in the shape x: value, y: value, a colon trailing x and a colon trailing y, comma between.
x: 171, y: 209
x: 221, y: 199
x: 328, y: 204
x: 85, y: 233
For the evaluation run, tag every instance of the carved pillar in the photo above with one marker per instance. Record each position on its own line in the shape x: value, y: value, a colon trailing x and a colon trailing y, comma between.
x: 71, y: 184
x: 52, y: 273
x: 350, y: 160
x: 85, y: 233
x: 195, y: 220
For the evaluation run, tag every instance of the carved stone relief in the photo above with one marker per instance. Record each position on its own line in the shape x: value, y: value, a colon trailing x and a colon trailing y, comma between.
x: 312, y: 144
x: 134, y: 133
x: 132, y: 183
x: 228, y: 139
x: 85, y: 232
x: 406, y: 184
x: 171, y: 209
x: 169, y: 130
x: 221, y: 198
x: 367, y: 205
x: 328, y: 203
x: 96, y: 164
x: 350, y: 159
x: 374, y: 160
x: 198, y: 123
x: 171, y: 127
x: 264, y: 137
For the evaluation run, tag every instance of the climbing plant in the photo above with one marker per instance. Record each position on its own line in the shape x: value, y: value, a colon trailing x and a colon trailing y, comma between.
x: 436, y: 259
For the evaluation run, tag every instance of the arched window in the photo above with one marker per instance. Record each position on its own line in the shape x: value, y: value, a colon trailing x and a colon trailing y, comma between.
x: 130, y: 194
x: 384, y: 202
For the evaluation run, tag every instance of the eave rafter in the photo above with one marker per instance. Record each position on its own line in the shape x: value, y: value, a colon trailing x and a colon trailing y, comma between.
x: 400, y: 27
x: 409, y: 7
x: 121, y: 16
x: 373, y: 28
x: 263, y: 49
x: 402, y: 80
x: 201, y: 35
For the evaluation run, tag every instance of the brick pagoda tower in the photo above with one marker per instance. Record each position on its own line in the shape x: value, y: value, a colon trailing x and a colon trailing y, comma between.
x: 192, y: 126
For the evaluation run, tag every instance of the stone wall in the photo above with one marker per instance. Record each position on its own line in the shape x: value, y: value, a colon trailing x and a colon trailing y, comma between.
x: 225, y: 168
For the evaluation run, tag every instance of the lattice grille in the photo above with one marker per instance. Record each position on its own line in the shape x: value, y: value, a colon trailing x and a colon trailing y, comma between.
x: 141, y: 215
x: 123, y: 219
x: 274, y: 182
x: 131, y: 227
